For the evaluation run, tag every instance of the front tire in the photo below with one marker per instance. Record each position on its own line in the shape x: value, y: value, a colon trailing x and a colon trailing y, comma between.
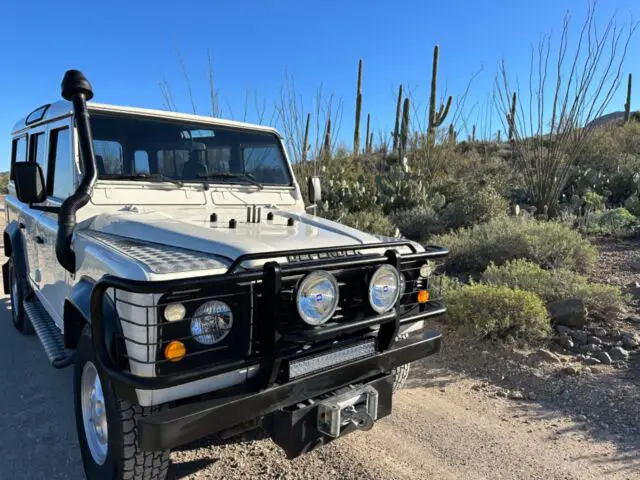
x: 20, y: 320
x: 108, y: 427
x: 401, y: 373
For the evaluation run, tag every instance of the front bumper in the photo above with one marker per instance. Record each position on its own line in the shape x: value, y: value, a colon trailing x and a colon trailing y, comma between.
x: 186, y: 423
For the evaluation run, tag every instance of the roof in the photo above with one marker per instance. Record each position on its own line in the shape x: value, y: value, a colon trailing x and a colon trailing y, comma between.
x: 63, y: 108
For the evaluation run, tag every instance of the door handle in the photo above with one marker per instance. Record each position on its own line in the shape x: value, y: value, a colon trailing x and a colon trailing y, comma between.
x: 39, y: 239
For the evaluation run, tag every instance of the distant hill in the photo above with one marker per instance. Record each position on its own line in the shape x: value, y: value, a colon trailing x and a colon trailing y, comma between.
x: 609, y: 118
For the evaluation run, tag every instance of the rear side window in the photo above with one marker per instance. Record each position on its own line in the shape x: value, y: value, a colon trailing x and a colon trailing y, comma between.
x: 38, y: 150
x: 60, y: 175
x: 18, y: 151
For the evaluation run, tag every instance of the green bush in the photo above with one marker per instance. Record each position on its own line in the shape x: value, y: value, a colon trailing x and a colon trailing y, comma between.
x: 633, y: 204
x: 617, y: 220
x: 477, y: 207
x: 549, y: 244
x: 594, y: 202
x: 557, y: 284
x: 416, y: 223
x: 498, y: 313
x: 374, y: 222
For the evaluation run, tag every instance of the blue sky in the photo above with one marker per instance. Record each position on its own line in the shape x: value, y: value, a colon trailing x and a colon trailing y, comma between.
x: 126, y: 48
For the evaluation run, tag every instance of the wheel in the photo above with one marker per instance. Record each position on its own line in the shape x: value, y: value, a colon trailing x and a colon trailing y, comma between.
x: 108, y: 426
x: 401, y: 373
x: 20, y: 320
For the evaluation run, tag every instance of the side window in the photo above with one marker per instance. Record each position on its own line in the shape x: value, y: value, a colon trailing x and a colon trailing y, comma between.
x: 18, y: 151
x: 141, y: 161
x: 60, y: 174
x: 38, y: 151
x: 109, y: 157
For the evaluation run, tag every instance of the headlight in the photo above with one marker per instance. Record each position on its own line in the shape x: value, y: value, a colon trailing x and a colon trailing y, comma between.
x: 211, y: 322
x: 317, y: 297
x: 384, y: 288
x: 174, y: 312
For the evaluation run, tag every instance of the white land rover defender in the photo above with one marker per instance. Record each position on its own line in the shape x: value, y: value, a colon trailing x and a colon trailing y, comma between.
x: 169, y: 259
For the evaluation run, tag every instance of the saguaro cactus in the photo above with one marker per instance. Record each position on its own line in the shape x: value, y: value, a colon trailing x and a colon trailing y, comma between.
x: 356, y: 130
x: 326, y: 147
x: 436, y: 117
x: 396, y: 130
x: 453, y: 135
x: 404, y: 128
x: 498, y: 136
x: 370, y: 146
x: 366, y: 136
x: 305, y: 140
x: 511, y: 117
x: 473, y: 133
x: 627, y: 106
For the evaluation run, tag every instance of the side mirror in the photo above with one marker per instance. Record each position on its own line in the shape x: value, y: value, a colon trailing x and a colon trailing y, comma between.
x: 29, y: 182
x: 315, y: 190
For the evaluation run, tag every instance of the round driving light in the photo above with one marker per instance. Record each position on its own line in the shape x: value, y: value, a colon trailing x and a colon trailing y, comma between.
x: 384, y: 288
x: 317, y: 297
x: 426, y: 270
x: 211, y: 322
x: 174, y: 312
x: 403, y: 284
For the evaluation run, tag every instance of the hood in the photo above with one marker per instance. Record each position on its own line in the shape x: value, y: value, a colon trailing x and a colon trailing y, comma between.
x: 193, y: 230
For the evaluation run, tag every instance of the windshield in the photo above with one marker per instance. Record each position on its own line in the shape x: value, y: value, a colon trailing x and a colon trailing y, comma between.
x: 129, y: 148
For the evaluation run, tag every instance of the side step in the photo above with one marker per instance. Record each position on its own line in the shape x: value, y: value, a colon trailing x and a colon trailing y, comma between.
x: 50, y: 337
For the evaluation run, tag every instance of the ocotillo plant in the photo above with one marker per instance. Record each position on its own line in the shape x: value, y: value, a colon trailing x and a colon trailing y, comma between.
x: 356, y: 130
x: 396, y: 130
x: 436, y: 117
x: 366, y: 136
x: 305, y: 140
x: 627, y: 106
x: 404, y: 128
x: 511, y: 116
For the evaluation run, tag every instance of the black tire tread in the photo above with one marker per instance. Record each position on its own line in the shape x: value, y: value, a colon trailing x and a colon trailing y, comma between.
x: 137, y: 464
x: 401, y: 373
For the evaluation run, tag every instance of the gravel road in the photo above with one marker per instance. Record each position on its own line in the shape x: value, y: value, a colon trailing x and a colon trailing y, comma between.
x: 442, y: 427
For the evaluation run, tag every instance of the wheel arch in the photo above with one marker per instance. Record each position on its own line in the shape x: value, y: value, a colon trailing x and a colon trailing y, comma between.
x: 77, y: 314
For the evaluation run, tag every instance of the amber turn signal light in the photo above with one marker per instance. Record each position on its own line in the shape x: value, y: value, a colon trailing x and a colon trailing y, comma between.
x: 175, y: 351
x: 423, y: 296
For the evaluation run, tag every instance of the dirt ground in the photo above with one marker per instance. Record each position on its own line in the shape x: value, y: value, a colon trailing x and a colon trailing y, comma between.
x: 467, y: 413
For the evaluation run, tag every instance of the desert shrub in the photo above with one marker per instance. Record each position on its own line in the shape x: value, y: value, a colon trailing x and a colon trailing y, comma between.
x: 549, y: 244
x: 374, y: 222
x: 617, y: 220
x: 416, y: 223
x: 633, y: 204
x: 476, y: 207
x: 556, y: 284
x: 594, y: 202
x: 498, y: 312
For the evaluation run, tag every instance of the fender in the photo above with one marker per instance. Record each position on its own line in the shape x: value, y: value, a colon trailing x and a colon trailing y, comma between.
x: 14, y: 248
x: 77, y: 314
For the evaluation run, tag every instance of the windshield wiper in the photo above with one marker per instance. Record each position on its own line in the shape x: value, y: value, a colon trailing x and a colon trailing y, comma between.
x: 232, y: 176
x: 152, y: 177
